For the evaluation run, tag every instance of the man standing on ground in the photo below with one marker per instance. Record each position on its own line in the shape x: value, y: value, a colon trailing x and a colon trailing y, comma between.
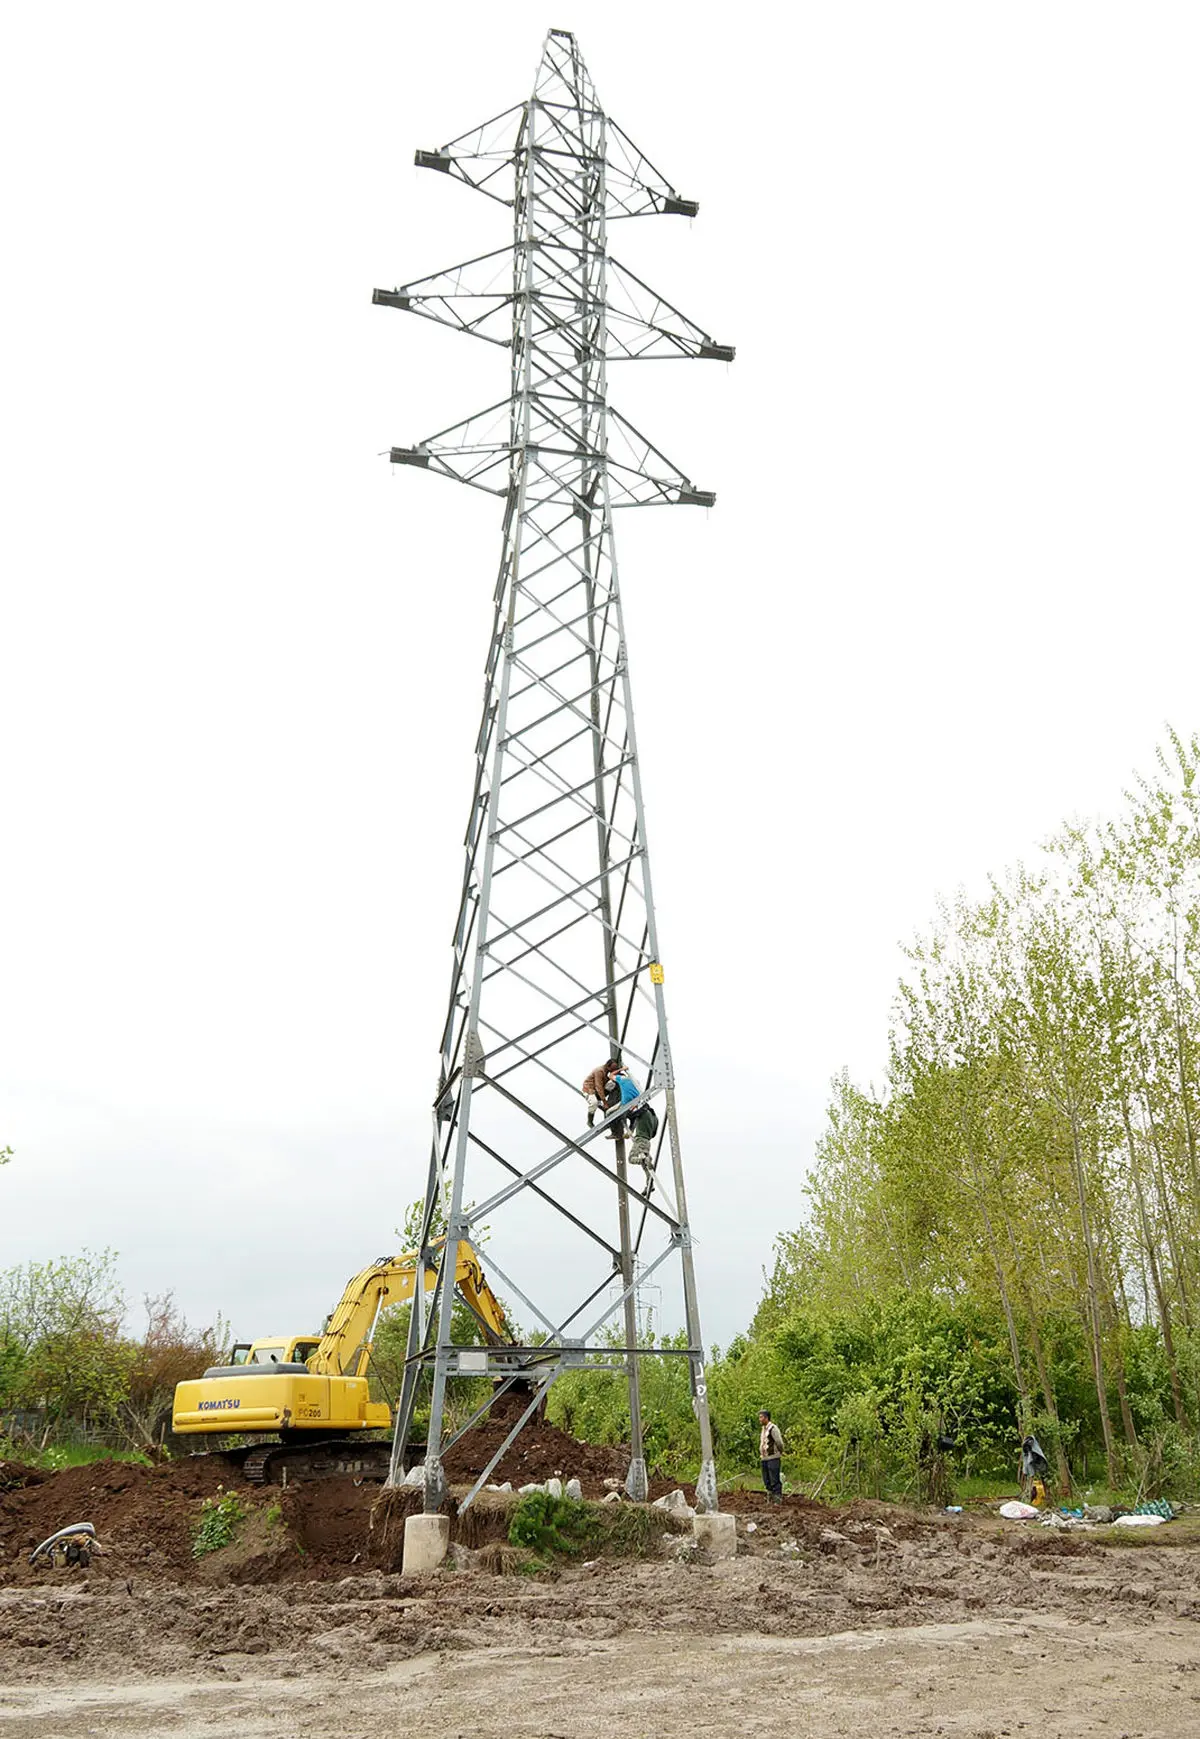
x: 770, y: 1450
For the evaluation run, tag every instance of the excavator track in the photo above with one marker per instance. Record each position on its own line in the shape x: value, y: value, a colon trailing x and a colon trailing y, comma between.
x: 287, y: 1463
x: 265, y: 1463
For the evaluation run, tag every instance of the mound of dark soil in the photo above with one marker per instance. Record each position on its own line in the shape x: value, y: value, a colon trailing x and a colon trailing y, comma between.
x: 15, y: 1474
x: 144, y: 1514
x: 330, y: 1519
x: 540, y: 1452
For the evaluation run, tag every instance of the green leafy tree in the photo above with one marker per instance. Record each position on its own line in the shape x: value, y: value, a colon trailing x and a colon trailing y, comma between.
x: 1030, y: 1166
x: 61, y: 1325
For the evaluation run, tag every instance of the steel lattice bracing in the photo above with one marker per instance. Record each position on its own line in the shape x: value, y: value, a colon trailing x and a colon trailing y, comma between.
x: 556, y: 962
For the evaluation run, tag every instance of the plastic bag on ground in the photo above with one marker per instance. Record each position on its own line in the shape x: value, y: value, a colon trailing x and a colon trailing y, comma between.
x: 1016, y: 1511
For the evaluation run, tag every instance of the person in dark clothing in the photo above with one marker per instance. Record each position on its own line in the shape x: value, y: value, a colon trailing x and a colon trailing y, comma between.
x: 1035, y: 1469
x: 770, y: 1452
x: 600, y: 1089
x: 628, y: 1092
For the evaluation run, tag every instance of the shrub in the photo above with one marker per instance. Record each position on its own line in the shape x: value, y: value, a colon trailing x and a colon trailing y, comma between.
x: 543, y: 1523
x: 217, y: 1524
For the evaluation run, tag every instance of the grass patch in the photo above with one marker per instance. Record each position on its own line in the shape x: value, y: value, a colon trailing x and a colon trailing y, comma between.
x: 217, y: 1524
x: 1183, y: 1531
x: 59, y: 1455
x: 561, y: 1527
x: 633, y: 1531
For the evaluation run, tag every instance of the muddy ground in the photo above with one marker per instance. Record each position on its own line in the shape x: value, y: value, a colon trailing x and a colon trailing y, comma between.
x: 866, y: 1619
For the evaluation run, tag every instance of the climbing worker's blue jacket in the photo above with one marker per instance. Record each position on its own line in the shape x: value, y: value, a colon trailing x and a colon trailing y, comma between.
x: 628, y: 1090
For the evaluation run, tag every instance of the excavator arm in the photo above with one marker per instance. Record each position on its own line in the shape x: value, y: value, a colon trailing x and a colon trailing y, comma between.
x: 345, y: 1347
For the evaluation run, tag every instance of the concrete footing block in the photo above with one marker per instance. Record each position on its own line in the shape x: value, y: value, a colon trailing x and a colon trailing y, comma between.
x: 426, y: 1542
x: 637, y: 1482
x: 716, y: 1534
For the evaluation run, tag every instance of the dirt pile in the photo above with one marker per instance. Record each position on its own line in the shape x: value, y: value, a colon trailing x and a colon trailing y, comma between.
x: 145, y: 1516
x: 540, y: 1452
x: 330, y: 1521
x: 14, y: 1475
x: 145, y: 1511
x: 145, y: 1519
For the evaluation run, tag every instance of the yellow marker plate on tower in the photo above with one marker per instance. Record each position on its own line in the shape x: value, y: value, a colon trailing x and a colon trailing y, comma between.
x: 656, y: 972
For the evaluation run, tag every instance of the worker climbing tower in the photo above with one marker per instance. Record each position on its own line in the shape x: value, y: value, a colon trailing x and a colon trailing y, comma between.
x: 556, y: 957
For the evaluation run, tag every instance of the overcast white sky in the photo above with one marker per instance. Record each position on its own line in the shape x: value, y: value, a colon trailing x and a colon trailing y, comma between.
x: 947, y: 596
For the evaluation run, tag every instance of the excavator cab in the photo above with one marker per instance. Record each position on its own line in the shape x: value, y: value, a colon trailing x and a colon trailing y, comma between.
x: 295, y: 1351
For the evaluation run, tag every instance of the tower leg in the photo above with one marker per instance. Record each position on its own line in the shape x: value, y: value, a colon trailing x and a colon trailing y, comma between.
x: 402, y: 1428
x: 637, y: 1484
x: 706, y: 1480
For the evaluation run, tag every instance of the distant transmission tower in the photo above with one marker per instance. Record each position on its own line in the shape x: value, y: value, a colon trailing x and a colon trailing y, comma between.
x: 556, y: 960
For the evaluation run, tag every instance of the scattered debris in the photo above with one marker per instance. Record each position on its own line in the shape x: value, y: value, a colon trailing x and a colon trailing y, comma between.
x: 70, y: 1545
x: 1063, y: 1520
x: 1145, y: 1515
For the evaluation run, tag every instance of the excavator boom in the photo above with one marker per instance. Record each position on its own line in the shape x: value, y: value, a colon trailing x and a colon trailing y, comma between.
x: 345, y: 1347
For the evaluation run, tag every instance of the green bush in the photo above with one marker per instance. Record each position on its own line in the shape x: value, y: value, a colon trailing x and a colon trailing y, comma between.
x: 217, y: 1524
x: 542, y: 1523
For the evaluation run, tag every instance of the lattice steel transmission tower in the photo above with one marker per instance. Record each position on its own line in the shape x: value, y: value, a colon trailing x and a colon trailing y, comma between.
x: 556, y: 960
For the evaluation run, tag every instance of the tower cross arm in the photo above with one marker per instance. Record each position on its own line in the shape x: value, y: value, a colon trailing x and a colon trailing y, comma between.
x: 477, y: 297
x: 474, y: 297
x: 635, y: 188
x: 480, y: 450
x: 644, y: 327
x: 482, y: 156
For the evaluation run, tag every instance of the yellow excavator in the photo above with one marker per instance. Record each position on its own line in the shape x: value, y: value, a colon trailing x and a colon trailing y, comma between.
x: 311, y: 1391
